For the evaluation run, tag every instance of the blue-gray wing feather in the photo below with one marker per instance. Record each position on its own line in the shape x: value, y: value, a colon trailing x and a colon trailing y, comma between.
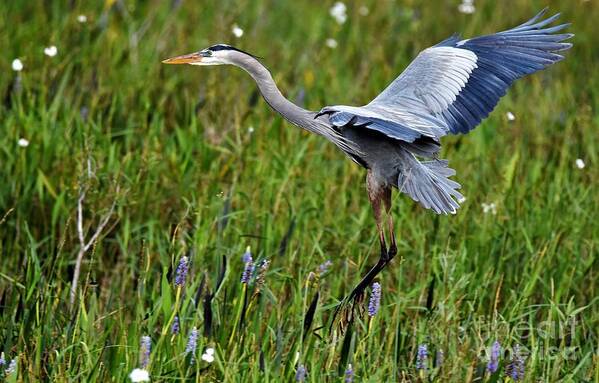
x: 452, y: 86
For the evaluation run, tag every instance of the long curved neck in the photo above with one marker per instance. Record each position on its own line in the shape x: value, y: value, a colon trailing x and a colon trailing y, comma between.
x: 296, y: 115
x: 301, y: 117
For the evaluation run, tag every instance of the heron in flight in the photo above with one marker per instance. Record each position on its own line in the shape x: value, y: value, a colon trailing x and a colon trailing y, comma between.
x: 448, y: 89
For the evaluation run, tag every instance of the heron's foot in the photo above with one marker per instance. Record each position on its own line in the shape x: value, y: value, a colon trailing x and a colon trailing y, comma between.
x: 347, y: 309
x: 352, y: 304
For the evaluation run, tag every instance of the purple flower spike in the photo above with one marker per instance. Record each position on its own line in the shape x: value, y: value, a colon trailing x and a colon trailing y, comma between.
x: 144, y: 351
x: 440, y: 358
x: 181, y: 272
x: 349, y: 374
x: 248, y: 270
x: 515, y: 369
x: 493, y: 364
x: 300, y: 375
x: 375, y: 299
x: 12, y: 367
x: 175, y: 327
x: 247, y: 256
x: 324, y: 267
x: 192, y: 342
x: 421, y: 357
x: 2, y: 360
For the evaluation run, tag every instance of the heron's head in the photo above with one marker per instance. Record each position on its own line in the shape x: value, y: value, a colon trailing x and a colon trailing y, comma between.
x: 219, y: 54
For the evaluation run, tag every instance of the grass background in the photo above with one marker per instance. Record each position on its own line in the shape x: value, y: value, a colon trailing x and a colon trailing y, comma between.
x: 174, y: 147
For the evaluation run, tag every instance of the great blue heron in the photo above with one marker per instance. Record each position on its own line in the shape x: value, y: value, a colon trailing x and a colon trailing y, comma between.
x: 448, y: 89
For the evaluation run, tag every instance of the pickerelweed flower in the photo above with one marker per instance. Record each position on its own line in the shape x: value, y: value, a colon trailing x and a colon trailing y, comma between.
x: 515, y: 369
x: 247, y: 256
x: 375, y: 299
x: 182, y: 270
x: 349, y: 374
x: 12, y: 367
x: 422, y: 357
x: 440, y: 358
x: 144, y: 351
x: 192, y: 342
x: 301, y: 373
x: 248, y: 270
x: 175, y: 327
x: 2, y: 360
x: 324, y: 267
x: 493, y: 364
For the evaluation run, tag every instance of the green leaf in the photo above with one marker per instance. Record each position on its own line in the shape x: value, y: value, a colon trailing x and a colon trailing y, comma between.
x: 167, y: 294
x: 508, y: 172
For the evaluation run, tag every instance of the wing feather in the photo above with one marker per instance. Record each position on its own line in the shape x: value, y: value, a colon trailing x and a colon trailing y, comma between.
x: 452, y: 86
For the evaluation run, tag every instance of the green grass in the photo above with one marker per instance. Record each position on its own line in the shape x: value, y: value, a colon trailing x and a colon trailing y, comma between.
x: 172, y: 147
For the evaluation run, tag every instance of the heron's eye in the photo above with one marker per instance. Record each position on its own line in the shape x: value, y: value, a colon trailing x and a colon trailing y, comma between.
x: 206, y: 53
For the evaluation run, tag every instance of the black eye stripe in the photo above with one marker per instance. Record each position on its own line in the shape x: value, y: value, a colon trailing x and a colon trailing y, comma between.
x: 221, y: 47
x: 224, y: 47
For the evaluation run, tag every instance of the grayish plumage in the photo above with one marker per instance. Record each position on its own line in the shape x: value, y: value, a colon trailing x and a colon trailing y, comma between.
x: 448, y: 89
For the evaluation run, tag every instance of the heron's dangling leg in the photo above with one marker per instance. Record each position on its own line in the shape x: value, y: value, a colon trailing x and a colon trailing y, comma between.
x: 393, y: 247
x: 378, y: 194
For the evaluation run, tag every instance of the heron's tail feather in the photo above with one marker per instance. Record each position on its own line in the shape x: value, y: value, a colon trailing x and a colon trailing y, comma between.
x: 428, y: 183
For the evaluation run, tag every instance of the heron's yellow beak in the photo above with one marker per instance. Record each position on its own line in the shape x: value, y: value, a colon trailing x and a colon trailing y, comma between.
x: 191, y: 58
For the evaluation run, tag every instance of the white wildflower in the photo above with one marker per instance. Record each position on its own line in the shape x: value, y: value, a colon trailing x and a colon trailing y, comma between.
x: 338, y: 11
x: 363, y: 10
x: 237, y: 32
x: 251, y: 130
x: 467, y: 7
x: 489, y: 208
x: 50, y: 51
x: 580, y: 163
x: 208, y: 355
x: 331, y: 43
x: 23, y: 142
x: 82, y: 19
x: 17, y: 65
x: 510, y: 116
x: 139, y: 375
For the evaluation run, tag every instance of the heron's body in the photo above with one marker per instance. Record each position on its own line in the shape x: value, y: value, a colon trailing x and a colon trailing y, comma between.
x: 448, y: 89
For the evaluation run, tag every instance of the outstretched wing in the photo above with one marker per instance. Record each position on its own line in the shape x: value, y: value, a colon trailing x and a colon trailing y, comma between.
x: 452, y: 86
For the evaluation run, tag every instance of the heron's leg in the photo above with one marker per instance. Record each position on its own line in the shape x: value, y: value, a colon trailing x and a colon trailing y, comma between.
x: 387, y: 201
x: 377, y: 194
x: 368, y: 278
